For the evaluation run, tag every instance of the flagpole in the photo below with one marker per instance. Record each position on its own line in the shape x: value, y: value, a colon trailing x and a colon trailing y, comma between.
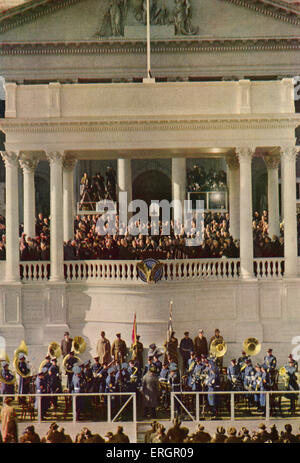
x: 148, y: 79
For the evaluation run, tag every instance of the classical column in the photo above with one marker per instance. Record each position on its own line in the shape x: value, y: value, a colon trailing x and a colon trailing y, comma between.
x: 272, y: 163
x: 246, y: 234
x: 68, y: 198
x: 28, y: 166
x: 125, y: 178
x: 179, y: 185
x: 12, y: 272
x: 56, y: 216
x: 288, y: 159
x: 234, y: 195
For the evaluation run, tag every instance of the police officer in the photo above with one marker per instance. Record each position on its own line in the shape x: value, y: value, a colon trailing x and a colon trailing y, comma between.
x: 234, y: 376
x: 212, y: 383
x: 290, y: 357
x: 41, y: 388
x: 174, y: 381
x: 78, y: 388
x: 186, y: 346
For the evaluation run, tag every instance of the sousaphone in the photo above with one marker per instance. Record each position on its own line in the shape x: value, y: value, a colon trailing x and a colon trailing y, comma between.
x: 54, y: 350
x: 218, y: 348
x: 78, y: 346
x: 4, y: 358
x: 252, y: 346
x: 22, y: 349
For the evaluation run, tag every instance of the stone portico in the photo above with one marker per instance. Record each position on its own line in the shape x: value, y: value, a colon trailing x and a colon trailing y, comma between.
x: 65, y: 122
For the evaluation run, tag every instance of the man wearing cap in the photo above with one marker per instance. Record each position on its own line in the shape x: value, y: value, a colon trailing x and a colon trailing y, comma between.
x: 186, y: 347
x: 66, y: 344
x: 258, y: 382
x: 41, y: 388
x: 270, y: 361
x: 7, y: 376
x: 234, y: 376
x: 30, y: 436
x: 137, y: 353
x: 122, y: 378
x: 290, y: 357
x: 54, y: 381
x: 200, y: 344
x: 232, y: 437
x: 103, y: 349
x: 153, y: 350
x: 201, y: 436
x: 150, y: 392
x: 174, y: 381
x: 157, y: 364
x: 69, y: 366
x: 242, y: 363
x: 102, y: 377
x: 78, y: 387
x: 96, y: 368
x: 219, y: 437
x: 119, y: 349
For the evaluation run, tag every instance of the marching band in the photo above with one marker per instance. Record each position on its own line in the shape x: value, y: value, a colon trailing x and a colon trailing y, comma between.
x: 202, y: 372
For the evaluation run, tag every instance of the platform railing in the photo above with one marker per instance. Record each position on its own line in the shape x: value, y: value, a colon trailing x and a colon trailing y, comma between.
x: 113, y: 412
x: 273, y: 404
x: 126, y: 271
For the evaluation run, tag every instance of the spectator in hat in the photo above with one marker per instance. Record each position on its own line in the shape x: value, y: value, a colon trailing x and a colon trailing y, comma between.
x: 219, y: 437
x: 66, y: 344
x: 201, y: 436
x: 262, y: 433
x: 103, y: 349
x: 232, y: 437
x: 9, y: 427
x: 30, y: 436
x: 171, y: 348
x: 200, y: 344
x: 186, y: 346
x: 150, y: 392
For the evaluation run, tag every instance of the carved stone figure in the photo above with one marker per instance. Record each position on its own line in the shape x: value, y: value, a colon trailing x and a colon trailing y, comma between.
x: 113, y: 20
x: 182, y: 18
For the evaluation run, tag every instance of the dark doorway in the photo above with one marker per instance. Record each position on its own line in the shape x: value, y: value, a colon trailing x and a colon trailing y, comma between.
x: 152, y: 185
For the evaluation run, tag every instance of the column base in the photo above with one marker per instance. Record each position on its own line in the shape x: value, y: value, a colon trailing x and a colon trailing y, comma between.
x: 148, y: 80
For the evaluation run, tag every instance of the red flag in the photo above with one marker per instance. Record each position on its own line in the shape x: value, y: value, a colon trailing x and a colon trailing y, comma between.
x: 133, y: 336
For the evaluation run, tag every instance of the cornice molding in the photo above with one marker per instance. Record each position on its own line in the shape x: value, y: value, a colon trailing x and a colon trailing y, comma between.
x: 123, y: 47
x: 140, y: 125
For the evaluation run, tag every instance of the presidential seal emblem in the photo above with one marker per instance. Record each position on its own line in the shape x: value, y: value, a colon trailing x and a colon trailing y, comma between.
x: 150, y: 270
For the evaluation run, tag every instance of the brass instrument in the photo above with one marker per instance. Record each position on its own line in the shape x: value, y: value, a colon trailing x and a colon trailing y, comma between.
x: 4, y: 358
x: 218, y: 348
x: 283, y: 372
x: 78, y: 346
x: 133, y: 377
x: 54, y: 350
x: 252, y: 346
x: 21, y: 349
x: 191, y: 367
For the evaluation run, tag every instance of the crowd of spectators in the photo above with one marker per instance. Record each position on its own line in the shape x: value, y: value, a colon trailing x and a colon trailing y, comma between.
x: 97, y: 188
x: 200, y: 180
x: 215, y: 242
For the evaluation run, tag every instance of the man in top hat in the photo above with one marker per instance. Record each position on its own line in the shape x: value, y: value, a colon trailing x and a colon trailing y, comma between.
x: 137, y: 353
x: 103, y: 349
x: 7, y: 376
x: 186, y: 346
x: 171, y: 347
x: 200, y: 344
x: 119, y: 349
x: 66, y: 344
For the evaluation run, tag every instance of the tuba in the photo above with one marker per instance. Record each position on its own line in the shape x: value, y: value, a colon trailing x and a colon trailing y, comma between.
x: 252, y: 346
x: 4, y: 358
x: 78, y: 346
x: 21, y: 349
x: 283, y: 373
x: 54, y: 350
x: 218, y: 348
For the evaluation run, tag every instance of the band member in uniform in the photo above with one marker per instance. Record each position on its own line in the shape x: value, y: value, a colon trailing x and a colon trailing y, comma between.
x: 103, y: 349
x: 23, y: 382
x: 217, y: 336
x: 174, y: 381
x: 102, y: 377
x: 190, y: 371
x: 234, y: 376
x: 77, y: 388
x: 200, y: 344
x: 290, y: 357
x: 137, y: 353
x: 212, y: 383
x: 66, y: 344
x: 41, y: 388
x: 242, y: 363
x: 148, y: 365
x: 157, y: 364
x: 7, y: 376
x: 292, y: 384
x: 54, y: 381
x: 96, y: 368
x: 171, y: 347
x: 119, y: 349
x: 69, y: 365
x: 186, y: 347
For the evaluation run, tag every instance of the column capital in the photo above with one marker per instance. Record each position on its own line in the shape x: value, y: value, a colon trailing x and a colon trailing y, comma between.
x: 10, y: 158
x: 69, y: 164
x: 289, y: 152
x: 232, y: 161
x: 55, y: 157
x: 244, y: 153
x: 28, y: 165
x: 272, y: 161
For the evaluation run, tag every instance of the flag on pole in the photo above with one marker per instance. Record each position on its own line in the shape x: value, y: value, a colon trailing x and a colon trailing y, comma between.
x: 170, y: 325
x: 133, y: 336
